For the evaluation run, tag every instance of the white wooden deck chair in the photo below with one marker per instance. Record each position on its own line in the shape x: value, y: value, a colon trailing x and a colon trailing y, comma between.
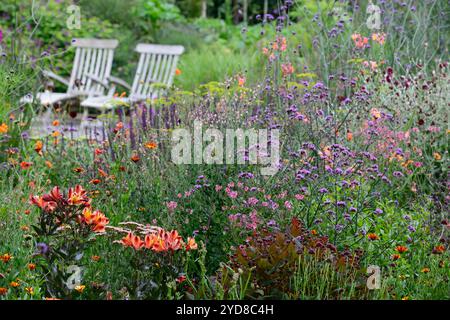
x: 91, y: 67
x: 157, y: 65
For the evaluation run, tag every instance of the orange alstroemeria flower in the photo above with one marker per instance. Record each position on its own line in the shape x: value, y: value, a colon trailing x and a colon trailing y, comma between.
x: 173, y: 240
x: 38, y: 147
x: 131, y: 240
x: 126, y: 241
x: 150, y: 240
x: 78, y: 196
x: 136, y: 242
x: 96, y: 219
x: 37, y: 201
x: 191, y: 244
x: 40, y: 202
x: 54, y: 195
x: 159, y: 245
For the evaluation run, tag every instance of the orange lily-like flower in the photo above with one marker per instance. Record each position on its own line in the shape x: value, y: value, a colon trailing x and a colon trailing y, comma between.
x: 38, y: 147
x: 77, y: 196
x: 96, y: 219
x: 131, y: 240
x: 173, y: 240
x: 126, y: 241
x: 161, y: 241
x: 38, y: 201
x: 150, y: 240
x: 136, y: 242
x: 191, y: 244
x: 54, y: 195
x: 159, y: 245
x: 100, y: 223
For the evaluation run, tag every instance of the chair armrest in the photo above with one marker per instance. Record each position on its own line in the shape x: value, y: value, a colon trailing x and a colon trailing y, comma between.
x: 120, y: 82
x: 96, y: 79
x: 54, y: 76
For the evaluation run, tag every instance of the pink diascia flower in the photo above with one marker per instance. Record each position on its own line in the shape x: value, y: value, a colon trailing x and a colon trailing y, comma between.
x: 288, y: 205
x: 299, y: 196
x: 232, y: 194
x: 252, y: 201
x: 171, y: 205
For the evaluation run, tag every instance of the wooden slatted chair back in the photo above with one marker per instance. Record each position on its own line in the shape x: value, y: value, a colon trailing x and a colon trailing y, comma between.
x: 157, y: 65
x: 92, y: 57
